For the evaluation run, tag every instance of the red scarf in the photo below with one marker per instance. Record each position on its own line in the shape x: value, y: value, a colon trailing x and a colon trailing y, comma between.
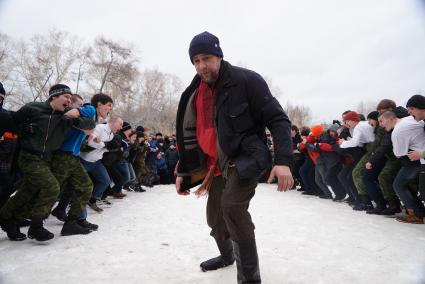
x: 205, y: 129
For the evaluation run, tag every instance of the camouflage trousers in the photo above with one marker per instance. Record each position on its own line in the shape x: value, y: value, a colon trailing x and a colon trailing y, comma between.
x: 358, y: 174
x: 386, y: 178
x: 74, y: 181
x: 38, y: 191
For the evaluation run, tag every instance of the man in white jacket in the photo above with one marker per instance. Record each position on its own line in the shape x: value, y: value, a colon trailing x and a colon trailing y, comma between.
x: 362, y: 133
x: 408, y: 135
x: 91, y: 159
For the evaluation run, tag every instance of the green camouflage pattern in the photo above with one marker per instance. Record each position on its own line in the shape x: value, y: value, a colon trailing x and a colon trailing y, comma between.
x: 38, y: 191
x: 74, y: 181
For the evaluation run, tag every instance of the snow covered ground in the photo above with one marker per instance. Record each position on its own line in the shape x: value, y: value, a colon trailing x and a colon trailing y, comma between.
x: 159, y: 237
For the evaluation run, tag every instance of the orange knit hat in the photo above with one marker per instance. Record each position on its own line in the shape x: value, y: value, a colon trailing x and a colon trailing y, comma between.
x: 317, y: 130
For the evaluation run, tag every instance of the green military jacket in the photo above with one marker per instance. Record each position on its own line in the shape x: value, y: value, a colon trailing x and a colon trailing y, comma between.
x: 41, y: 130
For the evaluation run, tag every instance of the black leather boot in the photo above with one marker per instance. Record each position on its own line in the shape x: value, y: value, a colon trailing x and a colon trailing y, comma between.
x: 364, y: 204
x: 393, y: 208
x: 378, y: 209
x: 226, y: 257
x: 247, y: 261
x: 38, y: 232
x: 72, y: 227
x: 12, y: 230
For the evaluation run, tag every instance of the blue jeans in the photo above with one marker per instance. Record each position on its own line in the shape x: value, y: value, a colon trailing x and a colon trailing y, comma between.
x: 99, y: 175
x: 401, y: 188
x: 131, y: 171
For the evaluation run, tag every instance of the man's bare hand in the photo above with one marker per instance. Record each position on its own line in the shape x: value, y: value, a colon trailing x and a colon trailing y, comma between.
x: 179, y: 181
x: 368, y: 166
x: 284, y: 177
x: 414, y: 155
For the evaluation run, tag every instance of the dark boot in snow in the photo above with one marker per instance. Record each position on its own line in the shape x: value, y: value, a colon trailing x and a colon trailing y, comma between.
x: 226, y: 257
x: 59, y: 214
x: 12, y: 230
x: 71, y: 227
x: 393, y: 208
x: 38, y: 232
x: 85, y: 224
x: 247, y: 261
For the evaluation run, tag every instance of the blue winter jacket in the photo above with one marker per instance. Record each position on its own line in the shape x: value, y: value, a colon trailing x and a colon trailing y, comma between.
x: 75, y: 137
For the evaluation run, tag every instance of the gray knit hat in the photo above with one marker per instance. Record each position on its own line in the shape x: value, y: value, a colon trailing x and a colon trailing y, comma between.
x: 59, y: 89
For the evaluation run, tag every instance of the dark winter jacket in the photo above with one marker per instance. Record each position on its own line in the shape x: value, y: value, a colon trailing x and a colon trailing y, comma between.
x: 328, y: 147
x: 244, y: 107
x: 172, y: 157
x: 118, y: 149
x: 296, y: 140
x: 384, y: 150
x: 42, y: 129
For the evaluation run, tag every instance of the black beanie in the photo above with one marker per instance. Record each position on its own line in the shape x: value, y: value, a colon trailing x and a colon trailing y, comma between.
x: 125, y: 126
x: 59, y: 89
x: 2, y: 91
x: 417, y: 101
x: 373, y: 115
x: 205, y: 43
x: 140, y: 134
x: 2, y: 95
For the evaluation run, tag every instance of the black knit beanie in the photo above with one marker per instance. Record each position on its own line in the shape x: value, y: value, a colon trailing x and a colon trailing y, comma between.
x: 59, y: 89
x: 125, y: 126
x: 205, y: 43
x: 373, y: 115
x: 417, y: 101
x: 2, y: 91
x: 2, y: 95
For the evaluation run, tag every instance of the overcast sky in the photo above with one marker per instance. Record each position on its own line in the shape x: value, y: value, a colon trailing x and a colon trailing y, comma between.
x: 328, y: 54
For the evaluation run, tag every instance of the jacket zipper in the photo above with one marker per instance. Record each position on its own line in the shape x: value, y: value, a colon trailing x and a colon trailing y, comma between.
x: 47, y: 134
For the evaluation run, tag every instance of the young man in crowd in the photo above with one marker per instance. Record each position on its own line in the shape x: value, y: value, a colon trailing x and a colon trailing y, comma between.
x: 44, y: 126
x: 73, y: 178
x: 8, y: 169
x: 92, y: 158
x: 103, y: 105
x: 221, y: 123
x: 416, y: 107
x: 116, y: 161
x: 362, y: 133
x: 384, y: 154
x: 407, y: 136
x: 360, y: 169
x: 328, y: 146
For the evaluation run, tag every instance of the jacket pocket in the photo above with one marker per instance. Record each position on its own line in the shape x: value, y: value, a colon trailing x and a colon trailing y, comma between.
x: 240, y: 117
x: 254, y: 159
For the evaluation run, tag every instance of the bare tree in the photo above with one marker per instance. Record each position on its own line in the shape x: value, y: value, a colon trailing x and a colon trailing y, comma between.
x: 366, y: 107
x: 113, y: 70
x: 6, y: 50
x: 158, y: 99
x: 299, y: 115
x: 41, y: 62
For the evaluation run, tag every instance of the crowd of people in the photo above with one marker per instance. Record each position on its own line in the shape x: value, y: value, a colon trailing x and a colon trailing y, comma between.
x: 76, y: 154
x: 373, y: 163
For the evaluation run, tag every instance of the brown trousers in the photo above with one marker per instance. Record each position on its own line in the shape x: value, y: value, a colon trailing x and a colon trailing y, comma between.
x: 227, y: 207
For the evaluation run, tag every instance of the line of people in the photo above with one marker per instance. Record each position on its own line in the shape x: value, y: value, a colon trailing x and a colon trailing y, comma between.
x: 375, y: 164
x: 73, y: 152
